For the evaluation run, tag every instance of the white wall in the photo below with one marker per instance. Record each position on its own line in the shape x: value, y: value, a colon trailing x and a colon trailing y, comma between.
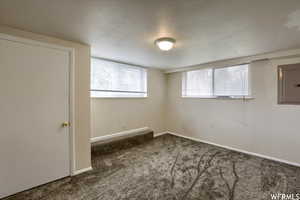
x: 112, y: 115
x: 260, y: 125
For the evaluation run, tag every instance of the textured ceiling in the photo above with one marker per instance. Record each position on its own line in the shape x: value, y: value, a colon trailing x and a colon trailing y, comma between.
x: 124, y: 30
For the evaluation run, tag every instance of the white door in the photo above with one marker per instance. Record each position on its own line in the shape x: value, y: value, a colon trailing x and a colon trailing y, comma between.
x: 34, y: 102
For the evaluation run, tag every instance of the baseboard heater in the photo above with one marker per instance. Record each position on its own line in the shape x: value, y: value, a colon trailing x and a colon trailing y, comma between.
x: 120, y: 135
x: 119, y: 141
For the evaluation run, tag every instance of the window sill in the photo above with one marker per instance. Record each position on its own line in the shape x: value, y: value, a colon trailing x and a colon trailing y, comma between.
x: 118, y: 97
x: 220, y: 98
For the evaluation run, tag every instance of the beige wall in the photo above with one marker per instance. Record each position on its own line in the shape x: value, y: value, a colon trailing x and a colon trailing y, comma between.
x: 109, y: 115
x: 82, y: 84
x: 260, y: 125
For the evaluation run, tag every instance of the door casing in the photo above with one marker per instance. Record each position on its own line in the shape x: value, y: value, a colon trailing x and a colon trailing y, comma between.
x: 71, y: 86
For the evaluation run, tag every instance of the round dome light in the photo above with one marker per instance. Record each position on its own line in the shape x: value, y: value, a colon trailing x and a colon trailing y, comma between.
x: 165, y: 43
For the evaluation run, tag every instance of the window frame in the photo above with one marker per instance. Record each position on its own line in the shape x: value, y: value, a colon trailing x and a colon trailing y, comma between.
x: 213, y: 96
x: 120, y: 91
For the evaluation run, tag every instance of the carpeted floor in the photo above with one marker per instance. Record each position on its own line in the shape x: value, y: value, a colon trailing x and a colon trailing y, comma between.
x: 173, y: 168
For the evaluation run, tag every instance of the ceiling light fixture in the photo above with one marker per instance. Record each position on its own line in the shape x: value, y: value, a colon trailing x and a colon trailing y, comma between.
x: 165, y: 43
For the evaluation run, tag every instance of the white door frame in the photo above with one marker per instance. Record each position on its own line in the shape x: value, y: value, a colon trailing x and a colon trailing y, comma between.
x: 71, y: 86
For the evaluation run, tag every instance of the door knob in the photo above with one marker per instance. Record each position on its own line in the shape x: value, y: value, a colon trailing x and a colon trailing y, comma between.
x: 65, y: 124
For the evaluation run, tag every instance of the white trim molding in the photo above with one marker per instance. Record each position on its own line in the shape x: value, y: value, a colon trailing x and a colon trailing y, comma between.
x: 72, y: 109
x: 122, y: 134
x: 161, y: 133
x: 233, y: 149
x: 80, y: 171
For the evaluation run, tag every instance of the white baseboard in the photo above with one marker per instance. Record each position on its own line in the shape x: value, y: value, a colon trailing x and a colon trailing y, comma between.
x: 80, y: 171
x: 235, y: 149
x: 161, y: 133
x: 119, y: 135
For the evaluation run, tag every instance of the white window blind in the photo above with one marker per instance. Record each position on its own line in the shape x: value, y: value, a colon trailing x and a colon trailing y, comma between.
x: 112, y: 79
x: 198, y: 83
x: 217, y: 82
x: 231, y: 81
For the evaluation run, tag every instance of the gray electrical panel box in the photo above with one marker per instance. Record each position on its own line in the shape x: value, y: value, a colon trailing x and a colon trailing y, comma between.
x: 289, y: 84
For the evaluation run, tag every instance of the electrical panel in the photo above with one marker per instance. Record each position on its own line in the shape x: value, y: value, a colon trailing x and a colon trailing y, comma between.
x: 289, y: 84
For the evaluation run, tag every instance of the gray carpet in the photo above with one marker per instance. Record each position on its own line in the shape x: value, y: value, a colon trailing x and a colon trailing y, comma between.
x: 173, y: 168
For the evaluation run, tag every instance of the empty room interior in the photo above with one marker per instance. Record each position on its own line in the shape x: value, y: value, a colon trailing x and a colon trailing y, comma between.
x: 149, y: 99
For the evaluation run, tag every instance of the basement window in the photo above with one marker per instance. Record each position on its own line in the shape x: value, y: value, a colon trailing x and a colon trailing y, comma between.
x: 117, y: 80
x: 226, y: 82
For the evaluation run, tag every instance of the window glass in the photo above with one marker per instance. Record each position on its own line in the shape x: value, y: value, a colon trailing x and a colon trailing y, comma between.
x: 213, y: 82
x: 231, y: 81
x: 198, y: 83
x: 111, y: 79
